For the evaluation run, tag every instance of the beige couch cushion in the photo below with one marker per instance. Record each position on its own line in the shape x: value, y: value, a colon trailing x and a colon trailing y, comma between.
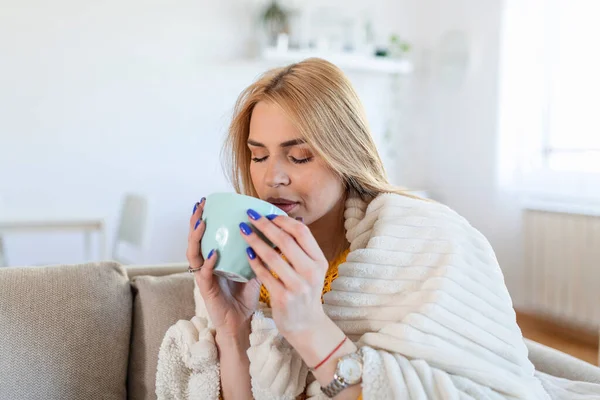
x: 64, y: 332
x: 156, y: 269
x: 159, y: 302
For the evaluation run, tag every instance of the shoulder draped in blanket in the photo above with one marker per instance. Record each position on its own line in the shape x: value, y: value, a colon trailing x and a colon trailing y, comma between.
x: 421, y: 292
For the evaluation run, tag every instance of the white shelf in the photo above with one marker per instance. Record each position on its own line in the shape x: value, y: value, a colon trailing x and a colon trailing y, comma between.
x: 348, y: 61
x: 562, y: 207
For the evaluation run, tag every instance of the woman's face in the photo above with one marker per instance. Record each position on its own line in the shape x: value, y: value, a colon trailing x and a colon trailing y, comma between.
x: 284, y: 169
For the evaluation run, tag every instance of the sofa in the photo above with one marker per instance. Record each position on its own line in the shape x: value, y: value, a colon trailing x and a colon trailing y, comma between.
x: 92, y: 331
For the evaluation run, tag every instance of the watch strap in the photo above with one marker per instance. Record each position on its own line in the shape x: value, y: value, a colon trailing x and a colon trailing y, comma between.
x: 334, y: 387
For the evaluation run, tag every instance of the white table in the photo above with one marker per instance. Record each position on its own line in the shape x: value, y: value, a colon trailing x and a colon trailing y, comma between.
x: 12, y: 221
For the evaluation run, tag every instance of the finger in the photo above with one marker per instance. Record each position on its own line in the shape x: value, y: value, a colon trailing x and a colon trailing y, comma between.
x: 263, y: 275
x: 290, y: 278
x: 205, y: 279
x: 286, y: 243
x: 197, y: 212
x: 300, y: 233
x: 194, y: 255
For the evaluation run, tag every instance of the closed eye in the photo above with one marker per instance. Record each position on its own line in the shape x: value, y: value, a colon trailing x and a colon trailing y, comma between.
x: 292, y: 159
x: 301, y: 161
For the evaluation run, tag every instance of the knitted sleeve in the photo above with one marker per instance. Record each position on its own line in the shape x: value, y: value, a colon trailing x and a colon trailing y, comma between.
x: 188, y: 365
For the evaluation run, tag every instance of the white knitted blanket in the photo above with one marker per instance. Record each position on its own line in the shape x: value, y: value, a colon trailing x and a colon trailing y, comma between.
x: 421, y: 292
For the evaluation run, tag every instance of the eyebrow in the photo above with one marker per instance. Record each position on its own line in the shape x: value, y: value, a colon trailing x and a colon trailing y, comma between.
x: 288, y: 143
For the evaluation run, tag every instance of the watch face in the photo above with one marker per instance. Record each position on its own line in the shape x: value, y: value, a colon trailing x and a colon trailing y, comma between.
x: 350, y: 370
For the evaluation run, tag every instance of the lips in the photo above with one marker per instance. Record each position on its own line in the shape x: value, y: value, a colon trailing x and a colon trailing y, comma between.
x: 284, y: 204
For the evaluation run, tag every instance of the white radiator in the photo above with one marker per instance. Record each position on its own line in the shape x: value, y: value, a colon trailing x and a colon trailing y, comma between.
x: 562, y: 259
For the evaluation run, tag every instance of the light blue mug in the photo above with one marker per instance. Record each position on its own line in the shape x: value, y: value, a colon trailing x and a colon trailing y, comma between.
x: 223, y: 213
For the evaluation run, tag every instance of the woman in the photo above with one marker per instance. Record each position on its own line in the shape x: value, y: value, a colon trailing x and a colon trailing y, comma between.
x: 376, y: 294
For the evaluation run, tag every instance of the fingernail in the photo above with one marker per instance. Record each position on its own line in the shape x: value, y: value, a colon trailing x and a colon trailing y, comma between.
x: 197, y: 223
x: 301, y: 219
x: 245, y: 228
x: 195, y: 208
x: 202, y: 200
x: 271, y: 217
x: 251, y: 253
x: 210, y: 254
x: 253, y: 214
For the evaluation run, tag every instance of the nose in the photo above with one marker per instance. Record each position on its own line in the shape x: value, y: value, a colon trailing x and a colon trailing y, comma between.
x: 275, y: 174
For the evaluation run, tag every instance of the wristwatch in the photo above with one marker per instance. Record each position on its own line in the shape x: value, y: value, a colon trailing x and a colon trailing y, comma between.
x: 347, y: 373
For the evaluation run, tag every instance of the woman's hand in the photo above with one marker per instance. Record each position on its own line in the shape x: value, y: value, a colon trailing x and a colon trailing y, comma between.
x: 296, y: 292
x: 230, y: 305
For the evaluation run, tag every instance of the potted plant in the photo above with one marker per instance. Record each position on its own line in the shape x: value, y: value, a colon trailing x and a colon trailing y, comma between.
x: 275, y: 21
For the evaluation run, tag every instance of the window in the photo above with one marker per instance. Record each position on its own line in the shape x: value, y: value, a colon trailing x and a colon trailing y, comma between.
x: 549, y: 117
x: 573, y: 113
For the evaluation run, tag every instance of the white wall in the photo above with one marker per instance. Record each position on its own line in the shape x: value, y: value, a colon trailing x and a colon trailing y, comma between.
x: 458, y: 123
x: 101, y: 98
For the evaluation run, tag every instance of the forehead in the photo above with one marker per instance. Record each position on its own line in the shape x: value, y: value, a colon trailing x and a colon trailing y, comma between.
x: 270, y: 125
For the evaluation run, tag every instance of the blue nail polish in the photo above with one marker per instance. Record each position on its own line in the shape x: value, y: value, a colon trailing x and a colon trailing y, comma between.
x: 195, y: 208
x: 251, y: 253
x: 202, y: 200
x: 253, y: 214
x: 271, y: 217
x: 197, y: 223
x: 210, y: 254
x: 245, y: 228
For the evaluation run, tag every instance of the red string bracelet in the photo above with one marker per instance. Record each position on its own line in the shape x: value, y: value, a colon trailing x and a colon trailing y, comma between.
x: 330, y: 354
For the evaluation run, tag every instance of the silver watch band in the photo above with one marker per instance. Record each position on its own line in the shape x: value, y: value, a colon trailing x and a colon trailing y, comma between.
x: 334, y: 387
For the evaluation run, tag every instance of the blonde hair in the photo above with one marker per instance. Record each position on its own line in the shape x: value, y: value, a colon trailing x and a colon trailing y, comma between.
x: 322, y: 104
